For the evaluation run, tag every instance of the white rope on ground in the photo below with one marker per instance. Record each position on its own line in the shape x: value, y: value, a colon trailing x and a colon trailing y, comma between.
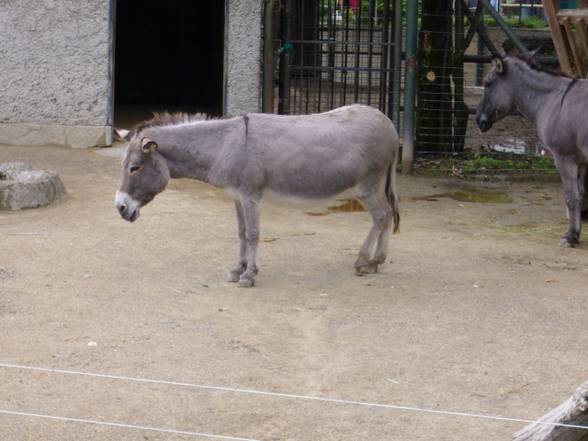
x: 292, y: 396
x: 125, y: 426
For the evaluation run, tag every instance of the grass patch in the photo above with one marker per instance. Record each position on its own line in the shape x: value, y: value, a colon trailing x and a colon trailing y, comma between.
x: 531, y: 22
x: 465, y: 164
x: 484, y: 163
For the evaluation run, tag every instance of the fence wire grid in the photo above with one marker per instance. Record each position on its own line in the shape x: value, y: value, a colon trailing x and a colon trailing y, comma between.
x: 351, y: 51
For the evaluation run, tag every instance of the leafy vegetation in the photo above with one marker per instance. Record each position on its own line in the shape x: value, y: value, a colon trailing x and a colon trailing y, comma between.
x: 531, y: 22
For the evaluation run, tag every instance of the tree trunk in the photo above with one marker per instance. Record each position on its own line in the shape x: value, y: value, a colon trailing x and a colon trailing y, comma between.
x: 434, y: 114
x: 573, y: 411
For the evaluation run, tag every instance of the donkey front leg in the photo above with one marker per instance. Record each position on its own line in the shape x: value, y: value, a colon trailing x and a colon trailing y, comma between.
x: 250, y: 206
x: 241, y: 266
x: 568, y: 171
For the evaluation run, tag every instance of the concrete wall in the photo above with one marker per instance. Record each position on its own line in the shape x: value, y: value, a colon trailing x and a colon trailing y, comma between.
x: 56, y: 74
x: 243, y: 57
x: 55, y: 80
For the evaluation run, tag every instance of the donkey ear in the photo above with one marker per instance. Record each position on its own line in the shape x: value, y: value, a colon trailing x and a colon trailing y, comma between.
x: 148, y: 146
x: 124, y: 135
x: 535, y: 52
x: 499, y: 65
x: 533, y: 56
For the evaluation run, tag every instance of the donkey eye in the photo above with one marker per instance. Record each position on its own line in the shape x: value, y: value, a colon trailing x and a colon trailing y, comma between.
x: 135, y: 168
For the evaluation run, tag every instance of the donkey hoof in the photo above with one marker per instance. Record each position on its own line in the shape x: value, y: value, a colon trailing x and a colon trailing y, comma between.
x: 374, y: 265
x: 233, y: 277
x: 246, y: 282
x: 370, y: 268
x: 566, y: 242
x: 570, y: 240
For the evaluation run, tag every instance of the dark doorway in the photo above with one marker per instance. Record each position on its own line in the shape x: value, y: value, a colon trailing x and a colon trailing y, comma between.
x: 168, y: 56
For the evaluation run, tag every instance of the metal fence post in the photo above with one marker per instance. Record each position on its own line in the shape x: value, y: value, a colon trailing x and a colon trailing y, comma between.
x: 505, y: 27
x: 397, y: 64
x: 480, y: 66
x: 284, y: 77
x: 268, y: 58
x: 410, y: 87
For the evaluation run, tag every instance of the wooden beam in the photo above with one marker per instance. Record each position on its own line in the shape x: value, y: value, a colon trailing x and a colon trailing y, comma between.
x: 572, y: 13
x: 551, y: 7
x: 569, y: 34
x: 573, y: 411
x: 583, y: 37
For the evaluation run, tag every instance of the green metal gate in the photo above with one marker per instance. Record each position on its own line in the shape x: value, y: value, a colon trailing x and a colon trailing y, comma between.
x: 338, y: 52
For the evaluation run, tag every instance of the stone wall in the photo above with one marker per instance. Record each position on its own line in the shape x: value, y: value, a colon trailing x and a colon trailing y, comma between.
x: 55, y: 81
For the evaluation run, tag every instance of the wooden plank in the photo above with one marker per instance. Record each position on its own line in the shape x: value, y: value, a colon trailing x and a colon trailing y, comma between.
x: 551, y: 8
x: 573, y: 13
x: 569, y: 34
x: 583, y: 37
x: 573, y: 411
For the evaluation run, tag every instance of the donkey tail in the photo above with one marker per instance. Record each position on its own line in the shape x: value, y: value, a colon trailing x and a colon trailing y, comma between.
x: 391, y: 192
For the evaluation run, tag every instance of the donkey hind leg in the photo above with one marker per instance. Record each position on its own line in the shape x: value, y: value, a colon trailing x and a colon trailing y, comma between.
x: 241, y: 265
x: 374, y: 200
x: 582, y: 183
x: 250, y: 206
x: 568, y: 171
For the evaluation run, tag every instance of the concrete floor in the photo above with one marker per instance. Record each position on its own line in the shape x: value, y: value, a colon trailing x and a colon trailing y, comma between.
x: 478, y: 310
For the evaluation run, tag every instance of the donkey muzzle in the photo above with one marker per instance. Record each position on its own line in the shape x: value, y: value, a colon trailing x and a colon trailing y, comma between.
x: 483, y: 122
x: 126, y: 206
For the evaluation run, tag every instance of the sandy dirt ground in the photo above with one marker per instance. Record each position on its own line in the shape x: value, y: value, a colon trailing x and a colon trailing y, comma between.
x: 477, y: 310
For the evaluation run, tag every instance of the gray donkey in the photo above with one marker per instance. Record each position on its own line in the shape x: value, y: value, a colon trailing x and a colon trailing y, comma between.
x: 311, y: 157
x: 556, y: 104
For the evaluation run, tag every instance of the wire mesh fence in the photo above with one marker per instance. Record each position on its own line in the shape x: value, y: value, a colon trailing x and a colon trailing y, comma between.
x: 351, y: 51
x: 343, y: 52
x: 450, y: 82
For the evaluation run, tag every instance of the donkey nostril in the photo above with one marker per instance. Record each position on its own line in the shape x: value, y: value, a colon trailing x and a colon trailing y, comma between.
x: 122, y: 208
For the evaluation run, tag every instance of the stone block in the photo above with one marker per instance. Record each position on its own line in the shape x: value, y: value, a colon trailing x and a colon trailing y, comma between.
x: 22, y: 187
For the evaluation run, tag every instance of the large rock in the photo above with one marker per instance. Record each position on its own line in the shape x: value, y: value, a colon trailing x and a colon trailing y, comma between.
x: 22, y: 187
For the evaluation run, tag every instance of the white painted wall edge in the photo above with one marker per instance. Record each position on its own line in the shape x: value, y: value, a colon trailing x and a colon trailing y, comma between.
x: 60, y: 135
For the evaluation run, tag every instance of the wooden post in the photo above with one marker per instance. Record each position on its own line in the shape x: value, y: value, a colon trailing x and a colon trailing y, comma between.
x: 566, y: 22
x: 551, y: 7
x: 573, y: 411
x: 583, y: 37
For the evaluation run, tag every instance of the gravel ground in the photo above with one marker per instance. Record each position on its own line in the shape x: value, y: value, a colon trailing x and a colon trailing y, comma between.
x: 477, y: 310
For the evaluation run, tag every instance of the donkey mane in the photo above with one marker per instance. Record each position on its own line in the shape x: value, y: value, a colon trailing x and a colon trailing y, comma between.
x: 170, y: 119
x: 536, y: 66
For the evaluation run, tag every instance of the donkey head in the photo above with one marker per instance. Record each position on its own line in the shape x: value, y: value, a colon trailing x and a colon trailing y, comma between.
x: 145, y: 174
x: 498, y: 98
